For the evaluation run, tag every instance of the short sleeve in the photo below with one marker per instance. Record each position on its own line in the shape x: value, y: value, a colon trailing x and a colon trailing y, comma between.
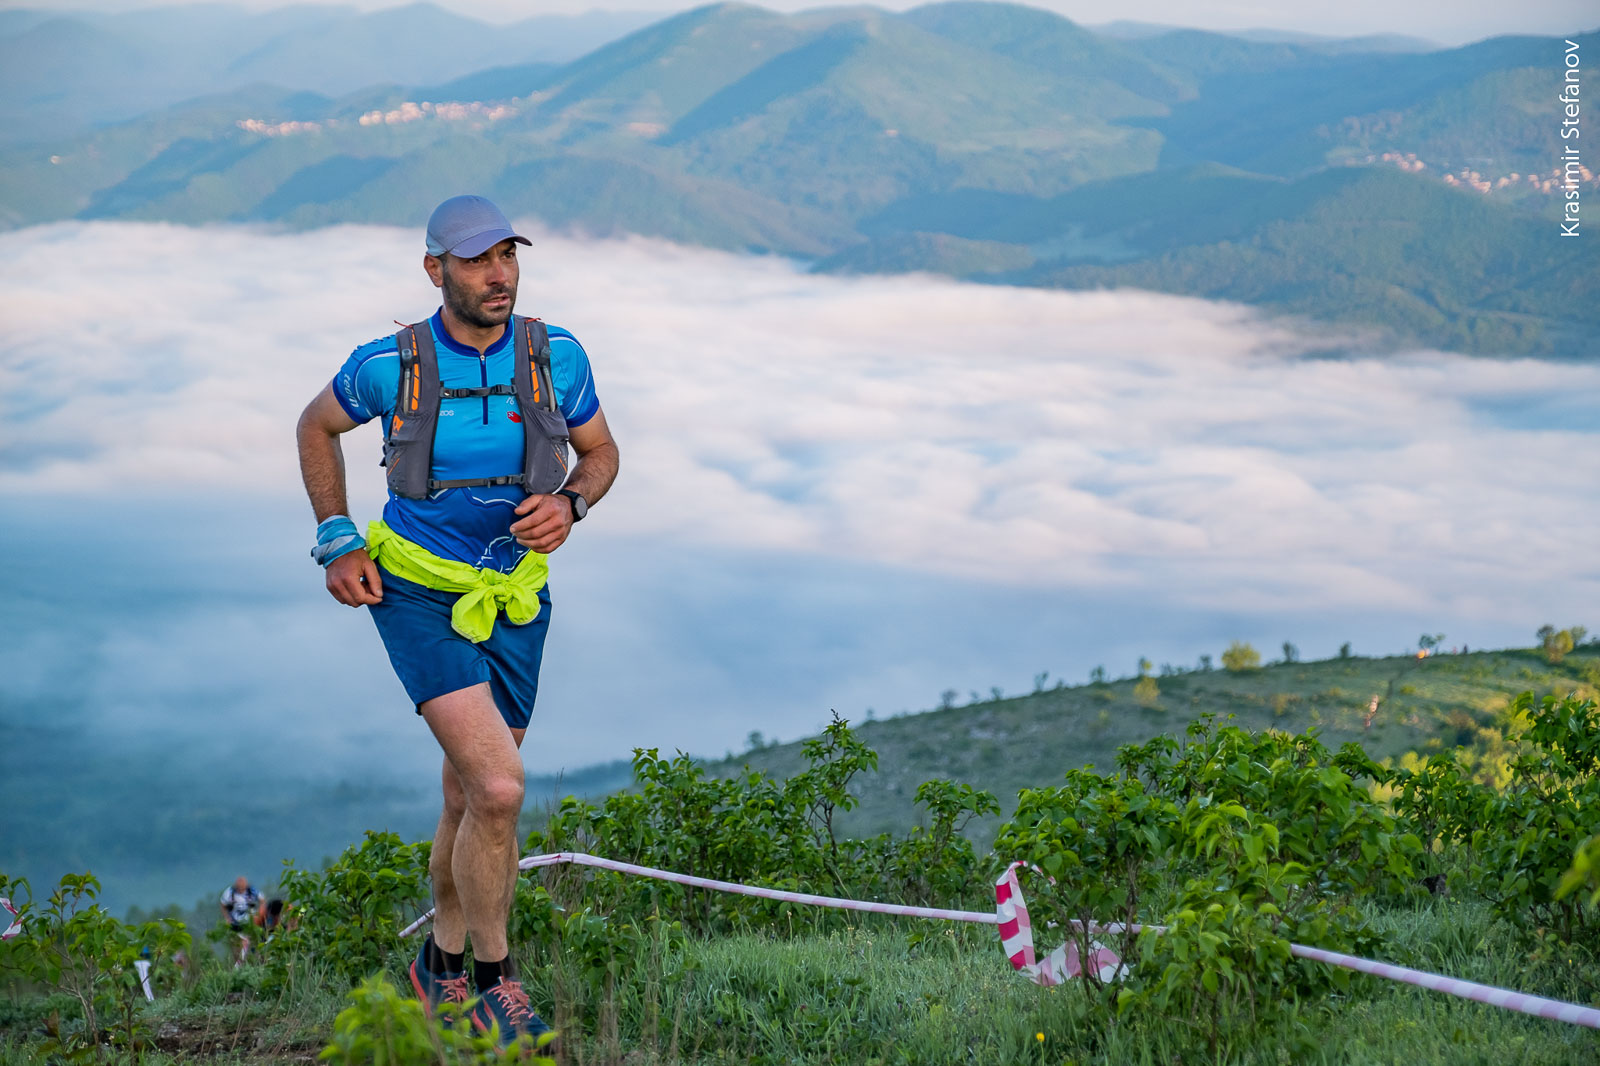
x: 574, y: 380
x: 366, y: 382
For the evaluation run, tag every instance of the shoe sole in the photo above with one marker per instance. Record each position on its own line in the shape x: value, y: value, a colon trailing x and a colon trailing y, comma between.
x: 427, y: 1004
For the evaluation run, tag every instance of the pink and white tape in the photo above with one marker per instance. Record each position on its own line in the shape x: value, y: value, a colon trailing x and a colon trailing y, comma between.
x: 14, y: 922
x: 1016, y: 932
x: 1016, y: 939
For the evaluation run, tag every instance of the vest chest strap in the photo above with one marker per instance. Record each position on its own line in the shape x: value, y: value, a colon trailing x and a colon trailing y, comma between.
x: 486, y: 390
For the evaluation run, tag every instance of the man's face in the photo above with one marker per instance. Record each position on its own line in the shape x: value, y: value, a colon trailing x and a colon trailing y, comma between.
x: 240, y: 884
x: 482, y: 290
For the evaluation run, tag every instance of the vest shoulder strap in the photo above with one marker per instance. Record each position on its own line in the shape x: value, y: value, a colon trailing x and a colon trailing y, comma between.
x: 533, y: 344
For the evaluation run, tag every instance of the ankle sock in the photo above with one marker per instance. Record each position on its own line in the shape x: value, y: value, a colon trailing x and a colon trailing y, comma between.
x: 441, y: 961
x: 487, y: 974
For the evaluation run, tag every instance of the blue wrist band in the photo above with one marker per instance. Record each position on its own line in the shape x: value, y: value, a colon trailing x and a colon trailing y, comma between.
x: 336, y: 536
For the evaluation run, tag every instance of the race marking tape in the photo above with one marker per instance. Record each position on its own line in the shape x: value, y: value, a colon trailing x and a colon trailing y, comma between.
x: 15, y: 928
x: 580, y: 859
x: 1016, y: 932
x: 1016, y: 940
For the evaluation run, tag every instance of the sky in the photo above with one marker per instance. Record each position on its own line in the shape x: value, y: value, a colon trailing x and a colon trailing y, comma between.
x: 1446, y: 23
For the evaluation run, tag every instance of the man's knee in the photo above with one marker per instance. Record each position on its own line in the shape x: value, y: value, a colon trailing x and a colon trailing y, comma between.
x: 496, y: 797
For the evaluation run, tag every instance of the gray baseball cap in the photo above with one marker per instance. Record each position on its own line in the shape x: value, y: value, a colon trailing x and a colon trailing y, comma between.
x: 466, y: 226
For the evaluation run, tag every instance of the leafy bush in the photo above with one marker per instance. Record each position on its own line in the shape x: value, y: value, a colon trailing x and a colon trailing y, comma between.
x: 1532, y: 829
x: 1101, y: 840
x: 72, y: 945
x: 756, y: 830
x: 1556, y: 643
x: 1522, y: 836
x: 382, y: 1027
x: 1584, y: 875
x: 348, y: 916
x: 1256, y: 839
x: 1240, y: 657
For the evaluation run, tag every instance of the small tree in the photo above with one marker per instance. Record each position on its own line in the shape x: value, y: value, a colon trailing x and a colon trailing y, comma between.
x: 1430, y: 643
x: 1205, y: 664
x: 1291, y: 654
x: 1097, y: 676
x: 1146, y: 691
x: 1240, y: 657
x: 947, y: 699
x: 1144, y: 666
x: 1556, y: 643
x: 1344, y: 650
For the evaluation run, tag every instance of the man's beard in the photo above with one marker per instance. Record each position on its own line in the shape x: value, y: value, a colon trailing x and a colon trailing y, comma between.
x: 468, y: 306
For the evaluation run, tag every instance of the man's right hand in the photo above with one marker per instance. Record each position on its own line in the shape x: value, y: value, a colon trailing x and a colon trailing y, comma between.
x: 353, y: 579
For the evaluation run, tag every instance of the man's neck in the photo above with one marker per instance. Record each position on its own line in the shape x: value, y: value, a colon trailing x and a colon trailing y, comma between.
x: 479, y: 337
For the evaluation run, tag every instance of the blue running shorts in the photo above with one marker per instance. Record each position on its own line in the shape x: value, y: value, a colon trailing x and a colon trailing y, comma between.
x: 432, y: 659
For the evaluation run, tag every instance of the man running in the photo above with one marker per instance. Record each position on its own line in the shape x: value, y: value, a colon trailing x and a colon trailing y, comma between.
x: 238, y: 902
x: 477, y: 407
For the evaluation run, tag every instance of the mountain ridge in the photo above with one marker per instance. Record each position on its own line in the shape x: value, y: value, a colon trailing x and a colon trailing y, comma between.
x: 993, y: 142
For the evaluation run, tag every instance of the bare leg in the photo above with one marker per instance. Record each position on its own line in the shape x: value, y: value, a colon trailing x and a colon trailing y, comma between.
x: 449, y: 924
x: 474, y: 863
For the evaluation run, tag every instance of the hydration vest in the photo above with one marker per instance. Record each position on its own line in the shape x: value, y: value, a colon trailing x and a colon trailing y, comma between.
x: 408, y: 441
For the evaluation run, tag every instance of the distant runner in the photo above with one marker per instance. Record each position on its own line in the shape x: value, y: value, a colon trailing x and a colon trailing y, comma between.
x: 238, y: 903
x: 477, y: 406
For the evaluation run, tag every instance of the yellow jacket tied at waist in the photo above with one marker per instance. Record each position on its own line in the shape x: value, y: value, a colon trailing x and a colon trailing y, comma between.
x: 484, y: 593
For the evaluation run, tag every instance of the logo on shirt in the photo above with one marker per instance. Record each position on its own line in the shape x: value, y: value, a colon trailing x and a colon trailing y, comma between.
x: 513, y: 416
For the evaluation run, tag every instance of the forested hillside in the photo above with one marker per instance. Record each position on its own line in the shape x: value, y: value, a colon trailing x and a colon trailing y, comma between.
x: 1406, y: 195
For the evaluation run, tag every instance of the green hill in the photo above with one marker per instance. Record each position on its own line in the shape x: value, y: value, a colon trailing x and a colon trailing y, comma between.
x: 1363, y: 246
x: 1045, y: 40
x: 1390, y: 250
x: 1003, y: 744
x: 1285, y: 109
x: 67, y: 71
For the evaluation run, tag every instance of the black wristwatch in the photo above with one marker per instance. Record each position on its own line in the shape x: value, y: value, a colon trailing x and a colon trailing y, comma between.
x: 580, y: 506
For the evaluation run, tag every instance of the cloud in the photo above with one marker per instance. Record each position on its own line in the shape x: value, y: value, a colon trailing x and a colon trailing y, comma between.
x: 1122, y: 441
x: 837, y: 494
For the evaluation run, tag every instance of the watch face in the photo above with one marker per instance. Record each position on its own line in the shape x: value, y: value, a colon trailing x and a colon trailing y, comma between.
x: 579, y: 507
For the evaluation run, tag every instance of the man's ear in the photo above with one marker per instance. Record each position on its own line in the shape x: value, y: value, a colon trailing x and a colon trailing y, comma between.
x: 434, y: 265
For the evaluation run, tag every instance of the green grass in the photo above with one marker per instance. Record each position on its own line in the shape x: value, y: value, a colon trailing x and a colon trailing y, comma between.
x: 878, y: 991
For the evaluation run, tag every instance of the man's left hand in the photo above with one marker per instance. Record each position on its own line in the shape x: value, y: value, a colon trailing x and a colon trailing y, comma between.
x: 545, y: 523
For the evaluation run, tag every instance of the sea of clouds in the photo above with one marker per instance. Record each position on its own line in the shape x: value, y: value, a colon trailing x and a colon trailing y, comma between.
x: 836, y: 492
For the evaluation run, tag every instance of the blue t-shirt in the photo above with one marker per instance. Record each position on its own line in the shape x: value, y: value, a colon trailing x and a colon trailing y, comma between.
x: 478, y: 436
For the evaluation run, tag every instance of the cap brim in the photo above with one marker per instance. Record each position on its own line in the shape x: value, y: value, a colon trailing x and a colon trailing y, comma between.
x: 479, y: 243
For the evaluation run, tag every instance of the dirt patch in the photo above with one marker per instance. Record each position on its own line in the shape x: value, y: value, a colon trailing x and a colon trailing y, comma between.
x: 217, y: 1037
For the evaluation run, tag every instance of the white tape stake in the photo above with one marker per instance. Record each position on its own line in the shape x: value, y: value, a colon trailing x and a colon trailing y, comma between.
x: 14, y: 929
x: 143, y: 966
x: 1016, y: 937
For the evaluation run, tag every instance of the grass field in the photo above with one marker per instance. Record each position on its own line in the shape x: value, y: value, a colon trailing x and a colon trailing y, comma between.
x: 866, y: 994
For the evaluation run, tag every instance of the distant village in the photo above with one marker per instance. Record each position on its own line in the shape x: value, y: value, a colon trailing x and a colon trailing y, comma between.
x: 1553, y: 181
